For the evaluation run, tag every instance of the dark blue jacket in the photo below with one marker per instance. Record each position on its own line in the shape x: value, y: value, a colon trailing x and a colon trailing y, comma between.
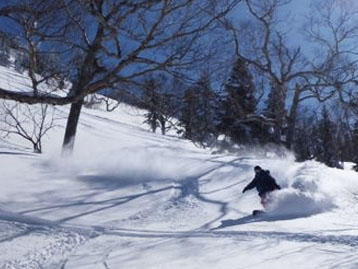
x: 263, y: 182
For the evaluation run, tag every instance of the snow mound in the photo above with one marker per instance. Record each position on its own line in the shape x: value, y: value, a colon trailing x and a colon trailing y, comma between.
x: 308, y: 192
x: 296, y: 203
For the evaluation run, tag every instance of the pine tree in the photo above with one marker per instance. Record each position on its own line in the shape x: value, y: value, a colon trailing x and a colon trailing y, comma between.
x: 344, y: 141
x: 152, y: 101
x: 275, y: 109
x: 239, y: 103
x: 160, y: 102
x: 188, y: 114
x: 4, y: 57
x: 168, y: 108
x: 241, y: 90
x: 208, y: 110
x: 355, y: 145
x: 327, y: 147
x: 5, y: 46
x: 304, y: 143
x: 198, y: 111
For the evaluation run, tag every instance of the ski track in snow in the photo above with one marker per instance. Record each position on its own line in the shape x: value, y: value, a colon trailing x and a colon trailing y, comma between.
x: 55, y: 243
x: 181, y: 208
x: 129, y: 198
x: 37, y: 246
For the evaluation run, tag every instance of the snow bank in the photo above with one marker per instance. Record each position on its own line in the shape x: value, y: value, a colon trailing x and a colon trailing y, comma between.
x: 296, y: 203
x: 311, y: 188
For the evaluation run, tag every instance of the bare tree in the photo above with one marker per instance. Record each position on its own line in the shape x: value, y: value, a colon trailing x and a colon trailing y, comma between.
x: 94, y: 100
x: 31, y: 122
x: 264, y: 44
x: 104, y: 42
x: 333, y: 28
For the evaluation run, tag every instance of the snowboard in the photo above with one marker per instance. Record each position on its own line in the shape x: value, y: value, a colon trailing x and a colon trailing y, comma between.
x: 255, y: 216
x: 258, y: 212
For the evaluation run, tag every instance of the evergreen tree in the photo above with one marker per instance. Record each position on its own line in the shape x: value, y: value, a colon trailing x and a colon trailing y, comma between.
x: 161, y: 104
x: 5, y: 46
x: 344, y: 141
x: 188, y: 113
x: 152, y: 103
x: 241, y: 90
x: 304, y: 143
x: 167, y: 110
x: 327, y: 147
x: 4, y: 56
x: 239, y: 103
x: 355, y: 145
x: 275, y: 109
x: 199, y: 111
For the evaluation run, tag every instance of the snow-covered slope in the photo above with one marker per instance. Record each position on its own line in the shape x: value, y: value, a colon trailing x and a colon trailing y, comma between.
x: 129, y: 198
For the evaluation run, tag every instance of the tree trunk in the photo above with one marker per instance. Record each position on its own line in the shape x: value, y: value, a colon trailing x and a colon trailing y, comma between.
x: 280, y: 112
x: 293, y: 118
x: 71, y: 127
x: 162, y: 125
x: 37, y: 148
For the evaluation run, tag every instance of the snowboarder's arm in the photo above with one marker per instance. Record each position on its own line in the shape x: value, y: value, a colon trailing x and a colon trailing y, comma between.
x: 250, y: 186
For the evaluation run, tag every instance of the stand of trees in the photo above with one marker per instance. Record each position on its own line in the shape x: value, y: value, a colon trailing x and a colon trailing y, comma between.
x: 99, y: 44
x: 265, y: 62
x: 164, y: 49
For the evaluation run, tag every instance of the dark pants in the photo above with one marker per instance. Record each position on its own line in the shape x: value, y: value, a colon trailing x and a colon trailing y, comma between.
x: 265, y: 198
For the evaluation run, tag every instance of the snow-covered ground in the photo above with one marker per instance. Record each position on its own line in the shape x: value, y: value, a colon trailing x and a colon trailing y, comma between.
x: 129, y: 198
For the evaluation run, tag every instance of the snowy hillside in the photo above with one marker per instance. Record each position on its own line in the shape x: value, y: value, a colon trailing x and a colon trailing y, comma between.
x: 129, y: 198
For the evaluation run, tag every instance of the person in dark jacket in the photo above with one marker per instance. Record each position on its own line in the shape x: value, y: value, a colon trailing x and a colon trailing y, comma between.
x: 264, y: 184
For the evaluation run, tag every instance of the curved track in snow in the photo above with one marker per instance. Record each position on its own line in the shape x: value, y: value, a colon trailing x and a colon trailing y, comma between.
x: 129, y: 198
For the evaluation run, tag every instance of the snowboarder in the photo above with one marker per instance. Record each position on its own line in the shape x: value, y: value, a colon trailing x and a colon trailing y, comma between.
x: 264, y: 184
